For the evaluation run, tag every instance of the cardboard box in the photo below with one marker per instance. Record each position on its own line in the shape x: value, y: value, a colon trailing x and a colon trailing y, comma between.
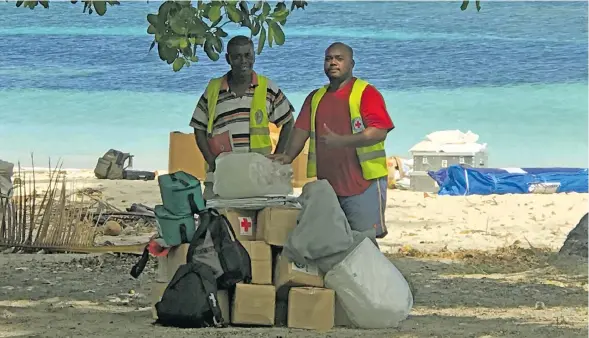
x: 161, y: 274
x: 184, y: 155
x: 176, y: 257
x: 340, y: 316
x: 261, y: 259
x: 157, y: 291
x: 274, y: 224
x: 289, y: 274
x: 253, y: 304
x: 224, y: 305
x: 311, y: 308
x: 243, y: 223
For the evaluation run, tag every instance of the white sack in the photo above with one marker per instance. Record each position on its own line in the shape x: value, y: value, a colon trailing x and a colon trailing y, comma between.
x: 243, y: 175
x: 370, y: 289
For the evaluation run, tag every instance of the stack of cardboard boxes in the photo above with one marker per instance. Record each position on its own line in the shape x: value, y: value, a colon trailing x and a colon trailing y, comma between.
x: 281, y: 292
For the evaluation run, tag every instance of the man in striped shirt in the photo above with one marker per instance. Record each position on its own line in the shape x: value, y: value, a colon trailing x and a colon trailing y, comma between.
x: 234, y: 103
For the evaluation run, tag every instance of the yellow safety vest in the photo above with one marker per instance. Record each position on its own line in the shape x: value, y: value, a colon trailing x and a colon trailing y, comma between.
x: 373, y: 160
x: 260, y: 141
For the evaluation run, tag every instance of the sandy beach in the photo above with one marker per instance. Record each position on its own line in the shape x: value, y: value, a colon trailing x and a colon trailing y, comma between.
x: 481, y: 266
x: 415, y: 220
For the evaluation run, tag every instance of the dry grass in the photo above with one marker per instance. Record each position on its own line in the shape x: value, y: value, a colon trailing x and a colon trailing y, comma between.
x: 513, y: 258
x: 50, y: 219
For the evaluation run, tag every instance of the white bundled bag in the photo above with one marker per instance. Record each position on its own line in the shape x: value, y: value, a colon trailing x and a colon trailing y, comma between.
x: 370, y: 289
x: 243, y: 175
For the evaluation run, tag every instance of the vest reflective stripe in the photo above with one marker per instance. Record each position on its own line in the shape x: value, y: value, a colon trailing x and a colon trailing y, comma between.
x: 260, y: 141
x: 372, y: 159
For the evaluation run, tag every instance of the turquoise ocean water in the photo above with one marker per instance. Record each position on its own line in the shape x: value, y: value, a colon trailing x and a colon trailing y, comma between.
x: 74, y: 85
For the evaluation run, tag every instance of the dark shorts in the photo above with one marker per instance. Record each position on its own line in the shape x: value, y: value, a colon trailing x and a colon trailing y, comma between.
x: 365, y: 212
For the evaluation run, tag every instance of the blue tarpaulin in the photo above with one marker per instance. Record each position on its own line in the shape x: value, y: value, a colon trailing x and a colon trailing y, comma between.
x: 457, y: 180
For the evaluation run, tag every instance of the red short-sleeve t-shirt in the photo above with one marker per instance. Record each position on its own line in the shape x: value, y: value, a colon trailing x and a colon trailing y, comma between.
x: 340, y: 166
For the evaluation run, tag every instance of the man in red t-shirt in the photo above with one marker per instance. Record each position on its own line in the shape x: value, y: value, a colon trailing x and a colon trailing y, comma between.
x: 363, y: 201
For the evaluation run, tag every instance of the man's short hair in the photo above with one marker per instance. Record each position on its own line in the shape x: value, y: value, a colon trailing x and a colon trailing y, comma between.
x: 239, y: 40
x: 343, y: 46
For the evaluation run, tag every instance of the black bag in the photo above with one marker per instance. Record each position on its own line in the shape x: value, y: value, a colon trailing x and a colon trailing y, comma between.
x: 190, y: 300
x: 134, y: 175
x: 112, y: 165
x: 225, y: 255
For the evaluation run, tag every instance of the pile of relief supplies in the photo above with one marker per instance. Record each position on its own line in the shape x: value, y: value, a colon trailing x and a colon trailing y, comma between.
x: 295, y: 264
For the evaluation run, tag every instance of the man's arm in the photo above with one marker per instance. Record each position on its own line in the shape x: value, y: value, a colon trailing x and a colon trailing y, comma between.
x: 299, y: 134
x: 203, y: 145
x: 199, y: 122
x: 376, y: 118
x: 296, y: 143
x: 285, y: 133
x: 370, y: 136
x: 281, y: 114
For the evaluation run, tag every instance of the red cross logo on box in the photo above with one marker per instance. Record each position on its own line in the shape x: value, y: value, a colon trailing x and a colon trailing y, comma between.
x: 245, y: 226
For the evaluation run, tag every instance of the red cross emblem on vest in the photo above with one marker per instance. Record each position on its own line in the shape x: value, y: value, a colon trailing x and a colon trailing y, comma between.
x: 357, y: 125
x: 245, y: 226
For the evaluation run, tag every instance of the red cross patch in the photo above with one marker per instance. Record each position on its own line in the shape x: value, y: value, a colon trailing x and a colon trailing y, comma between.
x: 245, y: 226
x: 357, y: 125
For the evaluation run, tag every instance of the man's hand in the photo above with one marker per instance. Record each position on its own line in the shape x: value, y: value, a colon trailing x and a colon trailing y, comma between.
x: 332, y: 139
x: 282, y: 158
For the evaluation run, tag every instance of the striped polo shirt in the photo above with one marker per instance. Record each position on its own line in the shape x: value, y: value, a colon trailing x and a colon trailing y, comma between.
x: 233, y: 113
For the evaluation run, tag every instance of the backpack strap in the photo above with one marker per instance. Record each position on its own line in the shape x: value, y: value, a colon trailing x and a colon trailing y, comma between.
x: 199, y: 234
x: 209, y: 284
x: 137, y: 269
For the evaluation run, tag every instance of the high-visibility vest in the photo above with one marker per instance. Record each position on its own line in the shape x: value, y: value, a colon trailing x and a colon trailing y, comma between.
x: 260, y: 141
x: 373, y: 160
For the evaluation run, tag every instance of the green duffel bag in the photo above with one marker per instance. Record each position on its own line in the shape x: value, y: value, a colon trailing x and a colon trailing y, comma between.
x: 174, y: 229
x: 181, y: 193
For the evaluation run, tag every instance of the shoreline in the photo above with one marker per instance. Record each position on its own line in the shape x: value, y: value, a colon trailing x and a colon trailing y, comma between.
x: 415, y: 220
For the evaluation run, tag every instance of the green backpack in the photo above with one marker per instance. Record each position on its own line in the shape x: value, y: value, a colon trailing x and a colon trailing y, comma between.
x: 181, y: 193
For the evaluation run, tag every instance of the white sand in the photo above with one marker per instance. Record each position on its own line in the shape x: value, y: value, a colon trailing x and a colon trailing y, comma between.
x: 417, y: 220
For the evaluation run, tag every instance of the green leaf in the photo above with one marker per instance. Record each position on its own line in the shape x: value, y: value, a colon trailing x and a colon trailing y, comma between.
x: 256, y: 28
x: 183, y: 43
x: 243, y: 7
x: 45, y: 4
x: 234, y: 13
x: 256, y: 7
x: 152, y: 45
x: 281, y: 6
x: 19, y: 3
x: 277, y: 33
x: 464, y: 5
x: 215, y: 13
x: 175, y: 41
x: 151, y: 29
x: 197, y: 27
x: 266, y: 9
x: 215, y: 42
x: 478, y: 5
x: 152, y: 19
x: 187, y: 51
x: 221, y: 33
x: 167, y: 54
x: 178, y: 64
x: 261, y: 40
x: 214, y: 56
x: 194, y: 58
x: 270, y: 33
x: 280, y: 15
x: 100, y: 7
